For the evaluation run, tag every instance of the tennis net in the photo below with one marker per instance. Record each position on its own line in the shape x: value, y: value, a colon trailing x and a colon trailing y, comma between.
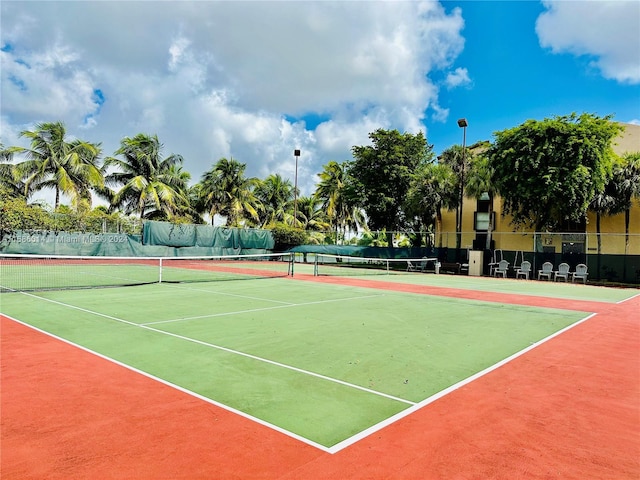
x: 340, y: 265
x: 39, y: 272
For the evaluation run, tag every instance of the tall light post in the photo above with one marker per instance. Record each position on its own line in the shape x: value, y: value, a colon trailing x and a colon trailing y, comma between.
x: 296, y: 153
x: 462, y: 123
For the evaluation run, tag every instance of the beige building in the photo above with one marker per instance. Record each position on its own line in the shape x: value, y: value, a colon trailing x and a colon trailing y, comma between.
x: 574, y: 246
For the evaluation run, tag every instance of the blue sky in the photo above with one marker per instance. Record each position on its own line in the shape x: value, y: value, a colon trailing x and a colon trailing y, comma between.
x: 514, y: 79
x: 254, y: 80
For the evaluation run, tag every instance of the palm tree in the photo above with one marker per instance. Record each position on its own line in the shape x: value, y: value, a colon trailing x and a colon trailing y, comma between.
x: 602, y: 204
x: 432, y: 190
x: 10, y: 181
x: 148, y: 182
x: 626, y: 186
x: 276, y: 196
x: 333, y: 191
x: 457, y: 158
x: 312, y: 215
x: 226, y: 191
x: 479, y: 182
x: 70, y: 168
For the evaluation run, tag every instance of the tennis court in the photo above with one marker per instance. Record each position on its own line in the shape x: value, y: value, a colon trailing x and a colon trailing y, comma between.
x: 327, y: 361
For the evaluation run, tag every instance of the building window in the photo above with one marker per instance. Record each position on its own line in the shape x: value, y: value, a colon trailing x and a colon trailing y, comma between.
x: 481, y: 221
x: 481, y: 217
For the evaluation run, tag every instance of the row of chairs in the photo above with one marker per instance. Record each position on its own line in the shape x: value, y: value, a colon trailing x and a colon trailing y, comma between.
x: 563, y: 272
x: 546, y: 271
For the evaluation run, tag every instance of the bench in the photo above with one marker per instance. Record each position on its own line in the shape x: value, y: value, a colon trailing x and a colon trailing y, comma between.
x: 451, y: 267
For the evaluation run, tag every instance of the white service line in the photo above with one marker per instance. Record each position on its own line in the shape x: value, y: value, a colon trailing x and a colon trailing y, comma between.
x: 213, y: 292
x: 228, y: 350
x: 288, y: 305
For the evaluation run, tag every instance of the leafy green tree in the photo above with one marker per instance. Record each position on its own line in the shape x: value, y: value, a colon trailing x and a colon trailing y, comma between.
x: 227, y: 192
x: 149, y: 183
x: 17, y: 215
x: 547, y: 172
x: 68, y: 167
x: 382, y: 174
x: 286, y: 236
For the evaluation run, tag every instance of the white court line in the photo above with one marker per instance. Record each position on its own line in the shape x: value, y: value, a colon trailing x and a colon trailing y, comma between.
x: 262, y: 309
x: 630, y: 298
x: 177, y: 387
x: 213, y: 292
x: 417, y: 406
x: 343, y: 444
x: 225, y: 349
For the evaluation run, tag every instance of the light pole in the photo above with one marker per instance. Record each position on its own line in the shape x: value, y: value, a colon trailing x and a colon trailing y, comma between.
x: 462, y: 123
x: 296, y: 153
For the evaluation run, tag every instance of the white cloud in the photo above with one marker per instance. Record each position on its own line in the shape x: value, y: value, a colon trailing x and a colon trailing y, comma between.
x: 44, y: 83
x: 607, y: 30
x: 459, y: 77
x: 216, y: 79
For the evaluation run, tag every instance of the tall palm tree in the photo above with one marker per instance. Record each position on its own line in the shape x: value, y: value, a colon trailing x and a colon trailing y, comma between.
x: 602, y: 204
x: 69, y: 167
x: 457, y: 158
x: 312, y: 215
x: 227, y: 192
x: 626, y: 186
x: 479, y: 182
x: 340, y: 205
x: 276, y: 195
x: 432, y: 190
x: 148, y: 182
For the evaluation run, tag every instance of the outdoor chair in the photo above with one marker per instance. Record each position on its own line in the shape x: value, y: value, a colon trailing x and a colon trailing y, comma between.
x: 501, y: 269
x: 423, y: 264
x: 524, y: 270
x: 410, y: 266
x: 562, y: 272
x: 580, y: 273
x: 546, y: 271
x: 495, y: 260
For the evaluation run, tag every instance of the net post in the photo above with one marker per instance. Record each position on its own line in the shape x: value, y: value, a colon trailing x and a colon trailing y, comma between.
x: 160, y: 270
x: 292, y: 262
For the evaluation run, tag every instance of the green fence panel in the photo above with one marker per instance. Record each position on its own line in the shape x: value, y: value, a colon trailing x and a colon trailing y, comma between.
x: 253, y: 238
x: 169, y: 234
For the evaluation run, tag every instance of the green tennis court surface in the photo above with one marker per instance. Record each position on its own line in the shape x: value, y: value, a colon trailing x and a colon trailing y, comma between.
x: 323, y: 363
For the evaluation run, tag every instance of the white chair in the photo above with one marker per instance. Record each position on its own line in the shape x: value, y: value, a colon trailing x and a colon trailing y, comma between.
x: 518, y: 259
x: 423, y: 264
x: 501, y: 269
x: 546, y: 271
x: 562, y: 272
x: 524, y: 270
x: 410, y: 266
x: 580, y: 273
x: 495, y: 260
